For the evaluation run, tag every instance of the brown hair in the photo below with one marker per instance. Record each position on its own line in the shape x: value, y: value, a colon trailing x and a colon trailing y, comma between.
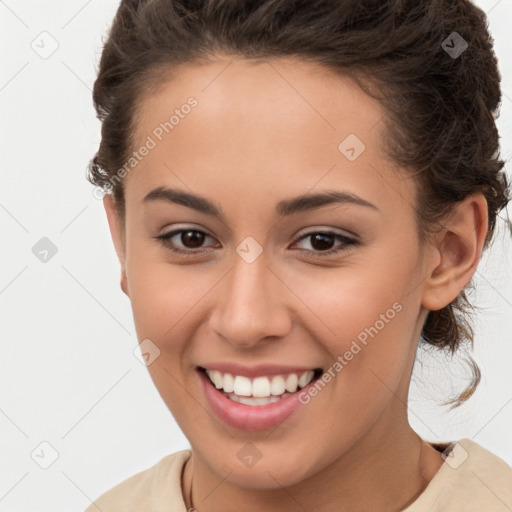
x: 440, y: 107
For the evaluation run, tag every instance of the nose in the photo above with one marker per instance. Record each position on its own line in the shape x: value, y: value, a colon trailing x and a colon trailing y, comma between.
x: 251, y: 305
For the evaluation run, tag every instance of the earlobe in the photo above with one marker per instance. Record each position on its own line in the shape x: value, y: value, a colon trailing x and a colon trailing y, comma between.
x: 457, y: 249
x: 117, y: 235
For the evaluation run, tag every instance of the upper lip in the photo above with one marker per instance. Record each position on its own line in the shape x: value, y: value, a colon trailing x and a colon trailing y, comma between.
x: 255, y: 370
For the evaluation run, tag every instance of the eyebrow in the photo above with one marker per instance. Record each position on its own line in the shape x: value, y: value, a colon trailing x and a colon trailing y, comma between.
x: 284, y: 208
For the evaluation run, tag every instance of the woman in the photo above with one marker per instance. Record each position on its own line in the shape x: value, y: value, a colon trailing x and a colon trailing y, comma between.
x: 298, y: 193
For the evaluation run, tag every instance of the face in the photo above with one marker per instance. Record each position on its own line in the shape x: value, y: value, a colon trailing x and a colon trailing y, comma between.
x: 233, y: 266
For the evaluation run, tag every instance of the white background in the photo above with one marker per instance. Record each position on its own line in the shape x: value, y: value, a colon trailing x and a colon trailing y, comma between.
x: 68, y: 376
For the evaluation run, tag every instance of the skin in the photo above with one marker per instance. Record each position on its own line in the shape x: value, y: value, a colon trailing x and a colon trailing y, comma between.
x: 261, y: 133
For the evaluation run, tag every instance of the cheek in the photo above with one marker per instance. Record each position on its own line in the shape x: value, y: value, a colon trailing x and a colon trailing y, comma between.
x: 163, y: 298
x: 364, y: 316
x: 346, y: 303
x: 162, y: 295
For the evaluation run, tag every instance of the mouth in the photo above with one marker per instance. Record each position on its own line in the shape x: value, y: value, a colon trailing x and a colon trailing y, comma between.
x: 260, y: 390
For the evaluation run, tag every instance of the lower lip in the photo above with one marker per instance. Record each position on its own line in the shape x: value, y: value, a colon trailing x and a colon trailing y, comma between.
x: 250, y: 417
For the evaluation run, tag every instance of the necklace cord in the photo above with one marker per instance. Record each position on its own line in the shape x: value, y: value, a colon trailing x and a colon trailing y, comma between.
x: 192, y: 509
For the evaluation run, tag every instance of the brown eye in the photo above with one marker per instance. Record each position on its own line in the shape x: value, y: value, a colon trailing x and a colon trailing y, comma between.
x: 192, y: 238
x: 322, y: 243
x: 188, y: 242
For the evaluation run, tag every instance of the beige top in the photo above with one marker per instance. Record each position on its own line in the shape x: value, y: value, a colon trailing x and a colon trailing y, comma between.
x: 471, y: 479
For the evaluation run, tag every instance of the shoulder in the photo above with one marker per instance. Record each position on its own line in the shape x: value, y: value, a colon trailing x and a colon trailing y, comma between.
x: 148, y: 489
x: 471, y: 479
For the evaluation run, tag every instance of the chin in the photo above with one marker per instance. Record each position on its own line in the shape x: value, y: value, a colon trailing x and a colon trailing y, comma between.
x: 272, y: 470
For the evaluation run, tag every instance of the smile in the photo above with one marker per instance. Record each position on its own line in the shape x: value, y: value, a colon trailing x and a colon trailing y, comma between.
x: 261, y: 390
x: 260, y: 399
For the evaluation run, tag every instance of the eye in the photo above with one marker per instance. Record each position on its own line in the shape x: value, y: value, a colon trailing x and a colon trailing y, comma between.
x: 189, y: 238
x: 322, y: 242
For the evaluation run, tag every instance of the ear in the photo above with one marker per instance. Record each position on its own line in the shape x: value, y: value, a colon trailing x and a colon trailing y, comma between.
x: 456, y: 252
x: 117, y: 234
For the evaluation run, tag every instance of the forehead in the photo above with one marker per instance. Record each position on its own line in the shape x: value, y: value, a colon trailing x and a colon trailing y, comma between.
x: 261, y: 127
x: 286, y: 93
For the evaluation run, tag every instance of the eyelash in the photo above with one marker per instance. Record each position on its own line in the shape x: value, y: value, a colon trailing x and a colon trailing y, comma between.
x: 347, y: 242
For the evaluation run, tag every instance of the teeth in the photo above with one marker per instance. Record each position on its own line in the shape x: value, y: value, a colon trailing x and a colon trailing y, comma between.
x: 217, y: 379
x: 305, y: 378
x: 292, y: 381
x: 249, y: 400
x: 228, y: 383
x: 242, y: 386
x: 277, y: 387
x: 261, y: 387
x: 242, y: 389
